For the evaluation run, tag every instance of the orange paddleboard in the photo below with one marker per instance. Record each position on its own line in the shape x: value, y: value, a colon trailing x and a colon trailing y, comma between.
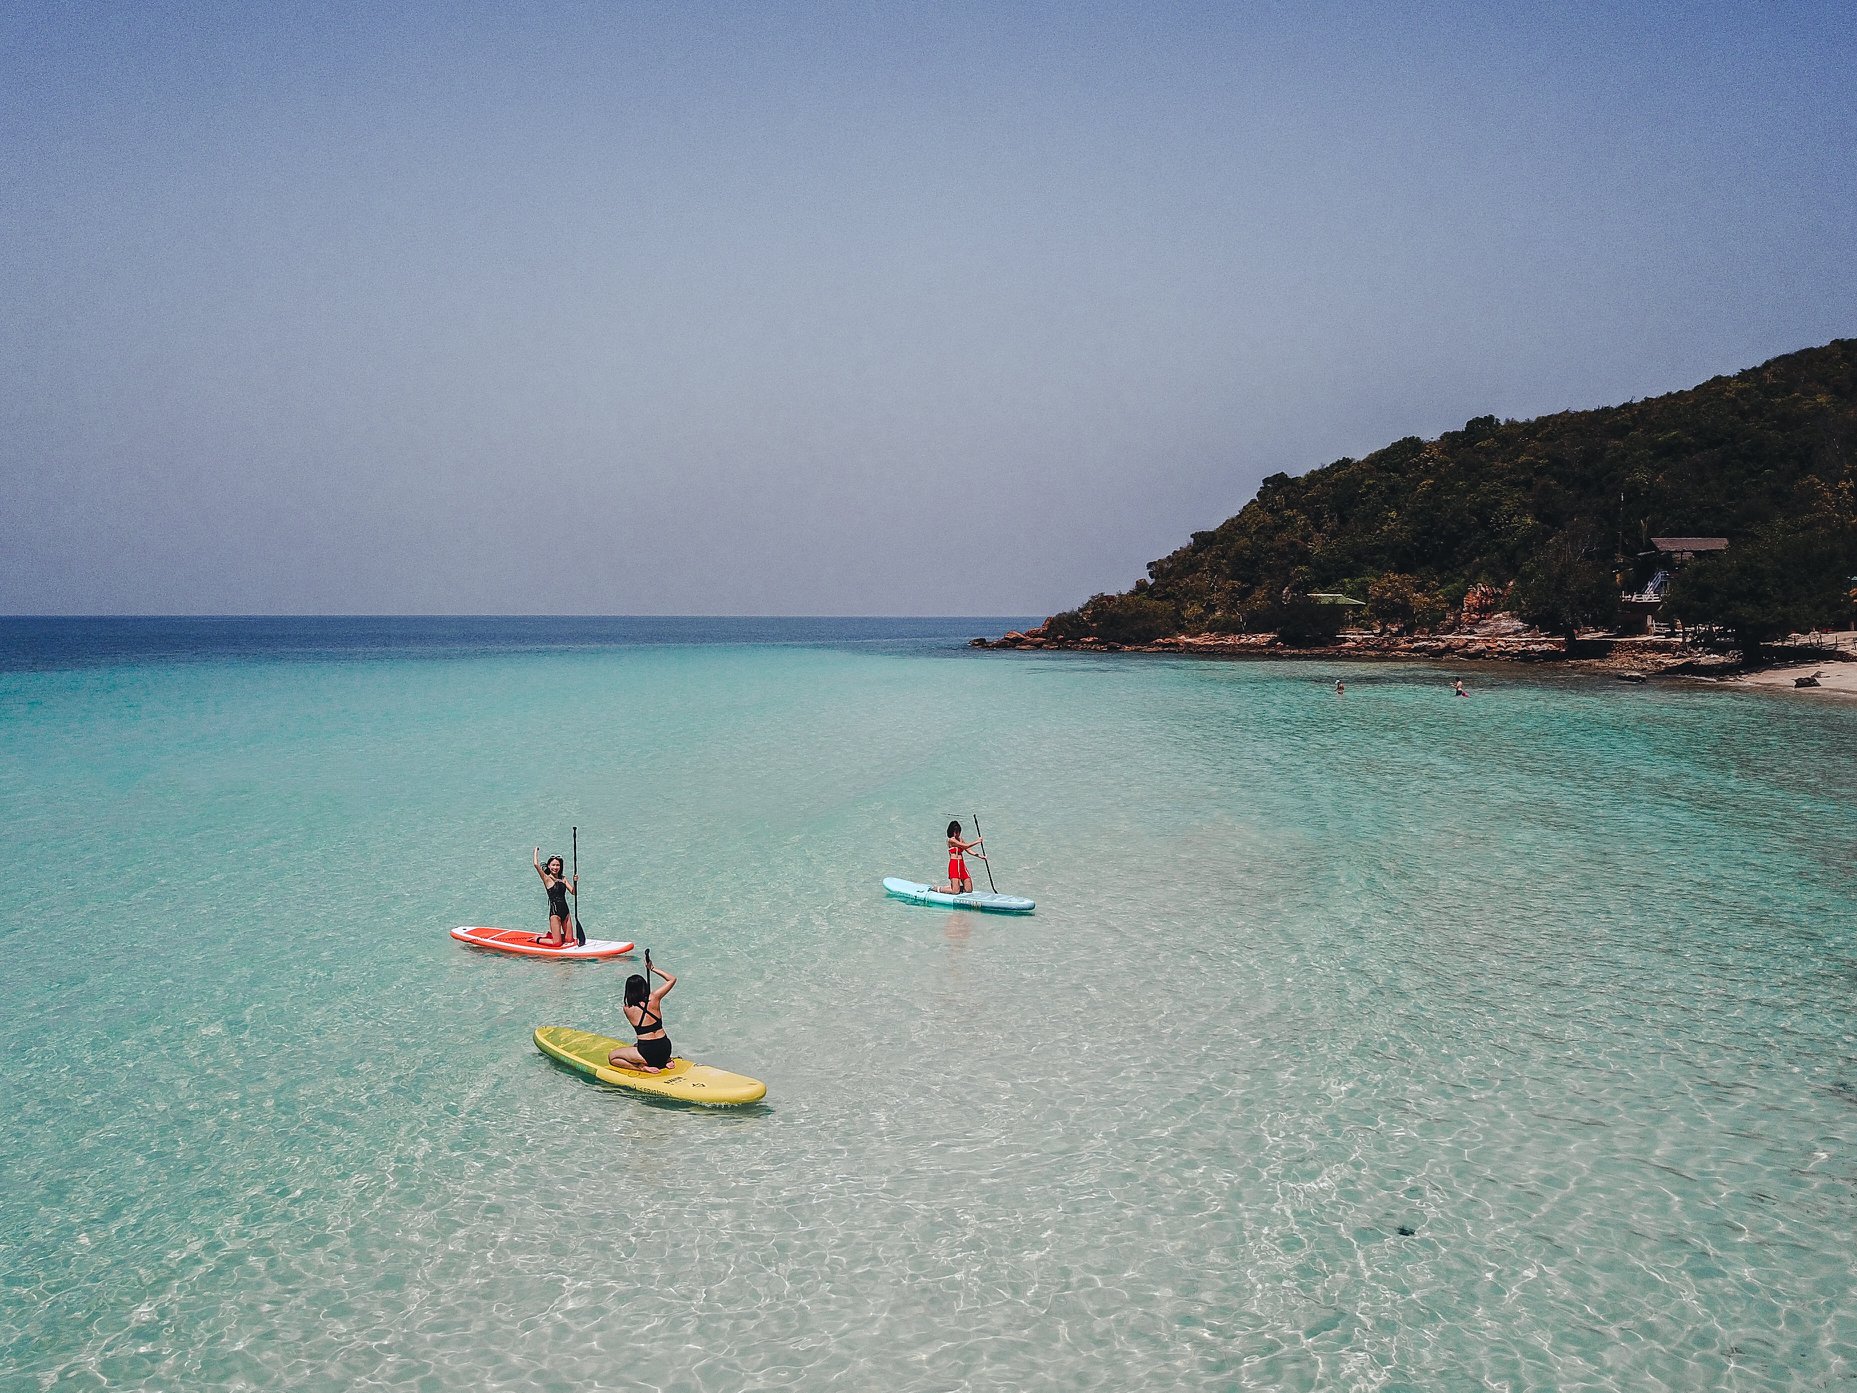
x: 529, y: 945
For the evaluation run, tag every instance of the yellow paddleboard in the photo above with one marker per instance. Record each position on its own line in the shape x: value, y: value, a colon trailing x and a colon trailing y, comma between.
x: 690, y: 1083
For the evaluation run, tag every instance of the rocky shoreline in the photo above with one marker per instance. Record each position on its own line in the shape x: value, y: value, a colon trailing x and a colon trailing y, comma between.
x: 1502, y: 640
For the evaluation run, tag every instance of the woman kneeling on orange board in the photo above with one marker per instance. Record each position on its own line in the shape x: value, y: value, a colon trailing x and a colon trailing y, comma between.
x: 644, y: 1012
x: 559, y: 887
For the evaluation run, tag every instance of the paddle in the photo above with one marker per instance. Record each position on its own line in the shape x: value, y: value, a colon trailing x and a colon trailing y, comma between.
x: 580, y: 934
x: 983, y: 860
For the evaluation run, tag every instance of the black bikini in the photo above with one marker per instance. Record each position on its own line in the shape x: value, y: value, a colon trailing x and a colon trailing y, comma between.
x: 656, y: 1053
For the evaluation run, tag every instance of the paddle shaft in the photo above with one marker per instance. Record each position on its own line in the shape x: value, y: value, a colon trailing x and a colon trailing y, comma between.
x: 983, y: 860
x: 580, y: 934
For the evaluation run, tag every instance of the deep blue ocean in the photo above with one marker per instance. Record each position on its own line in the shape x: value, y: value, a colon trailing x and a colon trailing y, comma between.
x: 36, y: 643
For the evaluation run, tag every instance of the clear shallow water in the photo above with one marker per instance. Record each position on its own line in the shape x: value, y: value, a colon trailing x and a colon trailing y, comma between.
x: 1561, y: 978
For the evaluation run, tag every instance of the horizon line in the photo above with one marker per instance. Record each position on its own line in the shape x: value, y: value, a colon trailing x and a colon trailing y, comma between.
x: 301, y: 614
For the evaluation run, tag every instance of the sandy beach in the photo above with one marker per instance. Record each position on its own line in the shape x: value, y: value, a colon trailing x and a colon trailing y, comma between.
x: 1834, y: 679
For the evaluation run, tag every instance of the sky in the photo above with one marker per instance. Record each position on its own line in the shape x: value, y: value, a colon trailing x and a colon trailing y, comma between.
x: 843, y: 308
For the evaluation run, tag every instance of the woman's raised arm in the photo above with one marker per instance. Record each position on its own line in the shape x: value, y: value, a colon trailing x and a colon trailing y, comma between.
x: 669, y: 982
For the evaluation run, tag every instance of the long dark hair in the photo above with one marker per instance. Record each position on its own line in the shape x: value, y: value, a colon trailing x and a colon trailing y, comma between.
x: 637, y: 990
x: 954, y: 829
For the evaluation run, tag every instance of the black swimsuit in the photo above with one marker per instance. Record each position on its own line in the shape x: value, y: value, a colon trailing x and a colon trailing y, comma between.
x: 656, y: 1053
x: 557, y: 900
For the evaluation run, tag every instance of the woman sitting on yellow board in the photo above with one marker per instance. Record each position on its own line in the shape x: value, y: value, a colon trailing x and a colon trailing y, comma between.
x: 644, y: 1012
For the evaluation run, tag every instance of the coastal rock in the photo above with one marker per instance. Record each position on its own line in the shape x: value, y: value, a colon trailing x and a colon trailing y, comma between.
x: 1029, y: 638
x: 1598, y: 653
x: 1499, y: 625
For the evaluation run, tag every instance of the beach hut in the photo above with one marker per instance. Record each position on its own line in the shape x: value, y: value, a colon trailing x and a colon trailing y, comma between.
x: 1638, y: 609
x: 1328, y: 597
x: 1674, y: 551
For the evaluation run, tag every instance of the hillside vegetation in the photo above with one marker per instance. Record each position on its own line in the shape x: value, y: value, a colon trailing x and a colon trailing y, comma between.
x: 1554, y: 514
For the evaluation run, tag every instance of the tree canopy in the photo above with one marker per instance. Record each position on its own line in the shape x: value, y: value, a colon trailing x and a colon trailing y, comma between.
x: 1565, y: 504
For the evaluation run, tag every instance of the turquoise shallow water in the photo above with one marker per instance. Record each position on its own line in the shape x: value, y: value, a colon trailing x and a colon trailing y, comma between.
x: 1561, y: 979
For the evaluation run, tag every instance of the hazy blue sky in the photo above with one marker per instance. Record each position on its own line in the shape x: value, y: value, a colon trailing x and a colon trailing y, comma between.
x: 843, y: 308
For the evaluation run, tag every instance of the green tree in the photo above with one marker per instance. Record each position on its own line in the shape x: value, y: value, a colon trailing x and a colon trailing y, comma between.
x: 1404, y: 602
x: 1787, y: 578
x: 1567, y: 583
x: 1116, y: 619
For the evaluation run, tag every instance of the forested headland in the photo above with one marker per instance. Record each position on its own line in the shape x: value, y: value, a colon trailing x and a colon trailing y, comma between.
x: 1550, y: 518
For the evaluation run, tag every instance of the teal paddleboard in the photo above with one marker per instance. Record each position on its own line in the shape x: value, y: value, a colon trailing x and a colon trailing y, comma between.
x: 924, y: 894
